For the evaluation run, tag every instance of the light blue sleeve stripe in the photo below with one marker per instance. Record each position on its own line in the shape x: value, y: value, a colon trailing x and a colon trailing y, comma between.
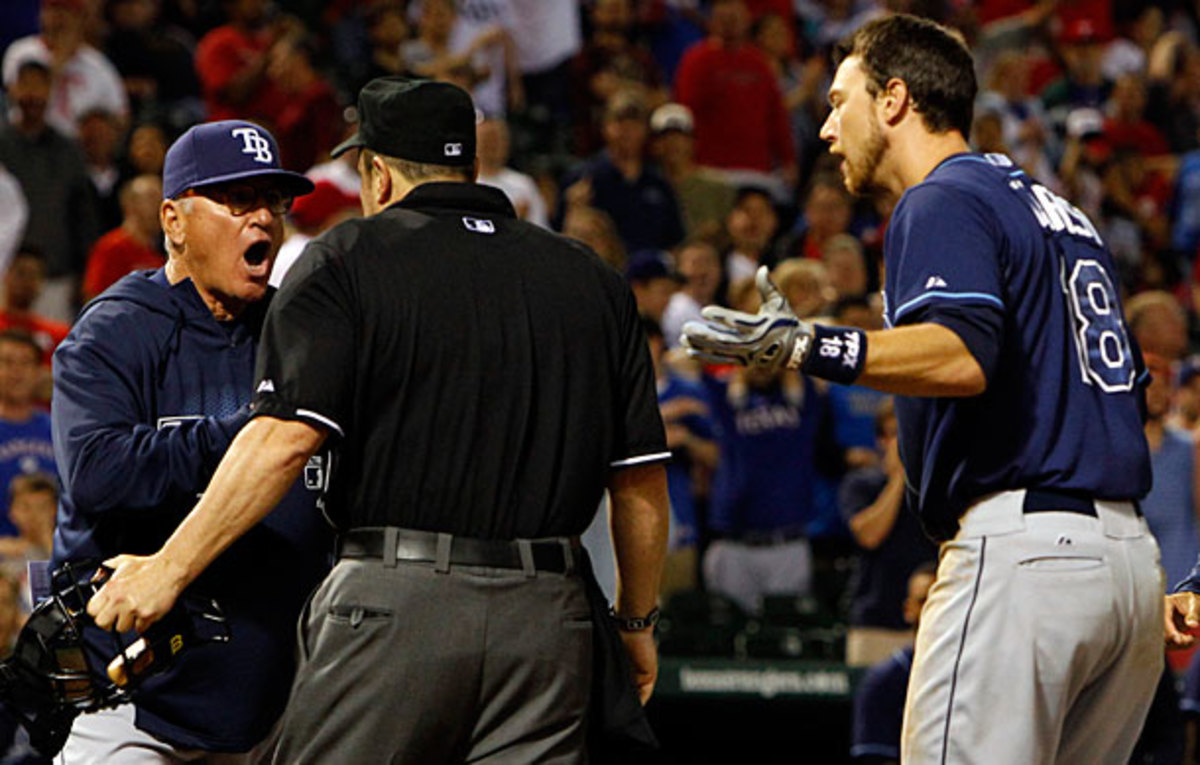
x: 1144, y: 376
x: 968, y: 297
x: 878, y: 750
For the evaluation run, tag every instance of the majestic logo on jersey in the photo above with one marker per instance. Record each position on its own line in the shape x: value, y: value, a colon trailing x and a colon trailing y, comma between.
x: 266, y: 386
x: 254, y: 143
x: 453, y: 149
x: 935, y: 282
x: 479, y: 225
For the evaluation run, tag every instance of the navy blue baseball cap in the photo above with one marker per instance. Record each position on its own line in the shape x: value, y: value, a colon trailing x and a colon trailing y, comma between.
x: 645, y: 265
x: 229, y: 150
x: 417, y: 120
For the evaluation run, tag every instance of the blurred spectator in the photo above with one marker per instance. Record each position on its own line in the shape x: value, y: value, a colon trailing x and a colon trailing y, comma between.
x: 309, y: 121
x: 341, y: 172
x: 596, y: 229
x: 805, y: 284
x: 892, y: 547
x: 132, y: 246
x: 1023, y: 121
x: 610, y: 61
x: 855, y: 409
x: 32, y: 507
x: 705, y: 197
x: 1135, y: 207
x: 1086, y: 155
x: 1129, y: 53
x: 25, y: 445
x: 741, y: 123
x: 485, y: 26
x: 752, y: 225
x: 547, y: 37
x: 387, y: 29
x: 689, y: 436
x: 14, y: 214
x: 1158, y: 323
x: 1082, y: 83
x: 1173, y: 91
x: 12, y: 618
x: 1126, y: 126
x: 1171, y: 507
x: 827, y: 21
x: 828, y: 210
x: 21, y: 287
x: 492, y: 144
x: 100, y: 138
x: 653, y: 279
x: 145, y: 150
x: 155, y: 61
x: 1185, y: 413
x: 766, y: 426
x: 232, y: 62
x: 847, y: 267
x: 699, y: 263
x: 50, y: 168
x: 311, y: 215
x: 879, y: 699
x: 619, y: 182
x: 81, y: 78
x: 800, y: 82
x: 449, y: 44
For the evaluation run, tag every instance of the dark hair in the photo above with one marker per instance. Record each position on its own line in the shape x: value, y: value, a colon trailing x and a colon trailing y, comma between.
x: 931, y: 60
x: 33, y: 65
x: 24, y: 338
x: 30, y: 483
x: 30, y: 250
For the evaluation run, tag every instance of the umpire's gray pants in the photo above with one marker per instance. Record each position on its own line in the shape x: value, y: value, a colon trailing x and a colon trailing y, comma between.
x: 406, y: 664
x: 1041, y: 641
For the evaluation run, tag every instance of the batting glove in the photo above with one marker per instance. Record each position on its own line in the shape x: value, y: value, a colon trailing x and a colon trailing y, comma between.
x: 773, y: 339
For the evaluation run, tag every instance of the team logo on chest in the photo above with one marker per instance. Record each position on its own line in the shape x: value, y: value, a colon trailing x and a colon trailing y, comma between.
x: 254, y: 143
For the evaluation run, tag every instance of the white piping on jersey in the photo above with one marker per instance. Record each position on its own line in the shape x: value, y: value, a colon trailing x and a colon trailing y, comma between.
x: 942, y: 294
x: 656, y: 457
x: 309, y: 414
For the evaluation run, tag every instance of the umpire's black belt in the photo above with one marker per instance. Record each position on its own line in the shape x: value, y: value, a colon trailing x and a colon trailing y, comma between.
x: 390, y: 544
x: 1061, y: 501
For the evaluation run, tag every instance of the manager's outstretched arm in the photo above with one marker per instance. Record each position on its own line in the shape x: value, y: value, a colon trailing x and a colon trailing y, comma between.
x: 262, y: 463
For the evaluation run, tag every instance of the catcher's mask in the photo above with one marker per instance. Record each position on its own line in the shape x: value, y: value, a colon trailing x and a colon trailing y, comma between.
x: 55, y: 674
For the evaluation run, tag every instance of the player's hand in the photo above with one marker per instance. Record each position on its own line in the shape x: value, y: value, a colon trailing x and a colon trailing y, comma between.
x: 140, y: 591
x: 771, y: 339
x: 643, y: 655
x: 1182, y: 618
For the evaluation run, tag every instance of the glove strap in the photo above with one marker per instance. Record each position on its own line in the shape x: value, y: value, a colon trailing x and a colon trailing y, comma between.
x: 836, y: 353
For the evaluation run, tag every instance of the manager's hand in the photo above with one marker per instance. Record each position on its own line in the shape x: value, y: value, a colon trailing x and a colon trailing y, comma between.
x: 140, y: 591
x: 1181, y: 617
x: 771, y: 339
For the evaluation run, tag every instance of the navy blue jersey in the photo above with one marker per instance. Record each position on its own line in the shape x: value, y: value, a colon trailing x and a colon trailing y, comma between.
x: 1024, y: 279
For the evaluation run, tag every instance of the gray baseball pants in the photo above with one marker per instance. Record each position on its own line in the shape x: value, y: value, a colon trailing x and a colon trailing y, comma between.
x: 1041, y: 641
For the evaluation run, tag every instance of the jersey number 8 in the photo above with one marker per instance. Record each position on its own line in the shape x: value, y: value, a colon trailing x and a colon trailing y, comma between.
x: 1105, y: 357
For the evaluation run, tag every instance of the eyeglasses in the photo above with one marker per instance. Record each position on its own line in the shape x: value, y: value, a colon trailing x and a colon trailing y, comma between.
x: 243, y: 198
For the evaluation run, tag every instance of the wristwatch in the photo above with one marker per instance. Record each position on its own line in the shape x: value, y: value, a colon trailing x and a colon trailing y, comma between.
x: 636, y: 623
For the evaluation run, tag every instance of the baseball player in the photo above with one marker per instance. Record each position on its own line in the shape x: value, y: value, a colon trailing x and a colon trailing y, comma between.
x: 1018, y: 405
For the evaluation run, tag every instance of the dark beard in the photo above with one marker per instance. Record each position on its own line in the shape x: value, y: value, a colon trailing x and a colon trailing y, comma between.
x: 860, y: 176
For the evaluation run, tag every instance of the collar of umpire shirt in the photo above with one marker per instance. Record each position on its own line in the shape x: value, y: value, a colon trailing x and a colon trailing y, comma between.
x: 449, y: 195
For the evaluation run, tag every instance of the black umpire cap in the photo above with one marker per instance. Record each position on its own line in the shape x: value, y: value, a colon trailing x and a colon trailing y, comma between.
x: 417, y: 120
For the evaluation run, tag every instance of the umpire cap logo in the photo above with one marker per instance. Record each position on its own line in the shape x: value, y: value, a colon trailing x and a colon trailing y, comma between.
x: 254, y: 143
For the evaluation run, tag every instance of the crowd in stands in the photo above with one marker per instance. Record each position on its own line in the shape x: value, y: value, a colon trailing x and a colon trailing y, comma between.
x: 679, y: 139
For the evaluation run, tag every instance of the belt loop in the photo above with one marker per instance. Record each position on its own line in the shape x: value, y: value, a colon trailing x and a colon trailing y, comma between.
x: 525, y: 549
x: 568, y: 557
x: 390, y: 536
x: 442, y: 563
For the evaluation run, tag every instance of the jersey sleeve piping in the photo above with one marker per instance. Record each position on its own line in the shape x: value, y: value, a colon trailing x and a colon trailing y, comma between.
x: 642, y: 459
x: 941, y: 295
x: 308, y: 414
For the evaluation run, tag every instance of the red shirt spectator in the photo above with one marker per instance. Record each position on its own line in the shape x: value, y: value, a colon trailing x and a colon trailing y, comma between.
x: 740, y: 121
x: 231, y: 62
x: 116, y: 253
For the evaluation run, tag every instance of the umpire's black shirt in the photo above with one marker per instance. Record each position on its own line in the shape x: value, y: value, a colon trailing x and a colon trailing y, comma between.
x: 482, y: 376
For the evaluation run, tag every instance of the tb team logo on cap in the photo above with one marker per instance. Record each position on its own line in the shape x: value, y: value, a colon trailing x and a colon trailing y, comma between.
x: 254, y: 143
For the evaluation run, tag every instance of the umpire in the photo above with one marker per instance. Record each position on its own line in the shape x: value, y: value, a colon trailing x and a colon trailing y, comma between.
x: 482, y: 381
